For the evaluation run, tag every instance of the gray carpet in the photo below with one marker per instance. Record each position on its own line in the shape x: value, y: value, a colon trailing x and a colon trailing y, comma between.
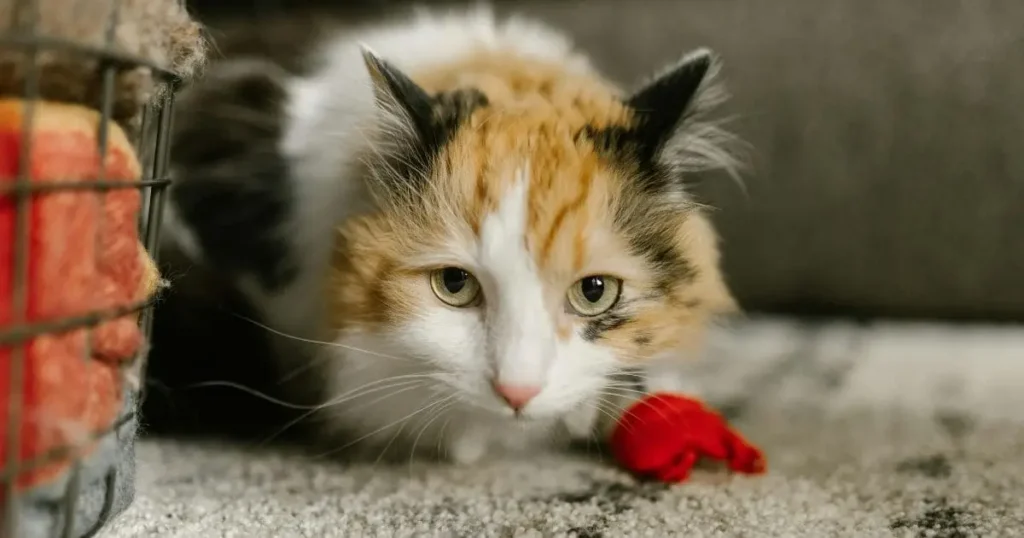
x: 870, y: 430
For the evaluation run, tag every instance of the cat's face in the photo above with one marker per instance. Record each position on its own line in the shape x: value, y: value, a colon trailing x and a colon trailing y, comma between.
x: 538, y: 246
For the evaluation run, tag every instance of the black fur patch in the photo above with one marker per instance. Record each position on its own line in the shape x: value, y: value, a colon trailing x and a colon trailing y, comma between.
x: 448, y: 111
x: 232, y: 185
x: 658, y: 246
x: 625, y: 146
x: 632, y: 378
x: 610, y: 321
x: 434, y: 119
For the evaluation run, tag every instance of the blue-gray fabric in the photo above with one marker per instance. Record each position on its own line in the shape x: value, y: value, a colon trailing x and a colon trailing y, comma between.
x: 42, y: 510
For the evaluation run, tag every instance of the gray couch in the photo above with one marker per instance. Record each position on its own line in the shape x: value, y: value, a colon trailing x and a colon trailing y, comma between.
x: 884, y: 176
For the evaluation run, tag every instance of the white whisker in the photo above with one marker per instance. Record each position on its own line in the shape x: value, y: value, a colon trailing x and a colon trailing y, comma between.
x: 374, y: 432
x: 438, y: 413
x: 601, y: 407
x: 320, y: 342
x: 251, y: 391
x: 363, y: 390
x: 439, y: 448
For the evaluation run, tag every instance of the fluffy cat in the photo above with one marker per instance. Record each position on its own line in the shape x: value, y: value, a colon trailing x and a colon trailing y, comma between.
x: 461, y: 232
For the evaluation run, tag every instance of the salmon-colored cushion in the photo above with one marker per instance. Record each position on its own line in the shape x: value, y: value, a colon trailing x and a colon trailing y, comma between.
x: 84, y: 256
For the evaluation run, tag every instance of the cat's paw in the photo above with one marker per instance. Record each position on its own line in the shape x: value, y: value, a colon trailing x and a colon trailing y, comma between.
x: 467, y: 448
x: 581, y: 422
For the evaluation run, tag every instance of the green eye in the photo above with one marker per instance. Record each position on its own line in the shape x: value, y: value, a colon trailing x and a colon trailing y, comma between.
x: 454, y: 286
x: 594, y: 295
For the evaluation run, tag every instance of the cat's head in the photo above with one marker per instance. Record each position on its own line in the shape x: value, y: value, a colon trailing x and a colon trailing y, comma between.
x: 534, y: 234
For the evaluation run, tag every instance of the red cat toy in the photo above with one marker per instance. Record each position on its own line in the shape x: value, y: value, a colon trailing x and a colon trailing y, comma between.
x: 663, y: 435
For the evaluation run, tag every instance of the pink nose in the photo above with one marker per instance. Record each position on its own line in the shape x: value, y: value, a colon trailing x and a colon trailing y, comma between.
x: 517, y: 396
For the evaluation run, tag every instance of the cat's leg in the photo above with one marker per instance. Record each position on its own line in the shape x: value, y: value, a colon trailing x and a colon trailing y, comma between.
x: 581, y: 423
x: 239, y: 209
x: 245, y: 201
x: 467, y: 446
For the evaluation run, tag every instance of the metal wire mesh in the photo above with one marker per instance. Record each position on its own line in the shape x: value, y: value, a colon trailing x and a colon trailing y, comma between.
x: 151, y: 144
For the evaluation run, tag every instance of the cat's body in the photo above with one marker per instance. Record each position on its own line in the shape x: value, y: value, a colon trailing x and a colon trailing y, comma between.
x: 482, y: 230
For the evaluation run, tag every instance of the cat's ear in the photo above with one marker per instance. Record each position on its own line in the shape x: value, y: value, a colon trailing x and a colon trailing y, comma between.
x: 663, y: 104
x: 415, y: 125
x: 400, y: 97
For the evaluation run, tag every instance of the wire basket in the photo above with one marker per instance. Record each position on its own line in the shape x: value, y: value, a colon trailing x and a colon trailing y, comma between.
x: 60, y: 511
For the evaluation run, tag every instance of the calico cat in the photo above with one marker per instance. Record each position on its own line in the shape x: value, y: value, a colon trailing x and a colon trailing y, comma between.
x: 459, y: 231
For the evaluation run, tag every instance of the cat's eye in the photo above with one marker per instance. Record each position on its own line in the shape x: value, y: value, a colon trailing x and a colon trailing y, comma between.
x: 454, y: 286
x: 594, y: 295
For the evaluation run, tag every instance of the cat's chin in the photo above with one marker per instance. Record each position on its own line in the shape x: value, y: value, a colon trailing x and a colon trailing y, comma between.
x: 500, y: 433
x: 509, y: 418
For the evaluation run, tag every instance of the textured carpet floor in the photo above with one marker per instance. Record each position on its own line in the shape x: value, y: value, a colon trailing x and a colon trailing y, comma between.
x: 870, y: 430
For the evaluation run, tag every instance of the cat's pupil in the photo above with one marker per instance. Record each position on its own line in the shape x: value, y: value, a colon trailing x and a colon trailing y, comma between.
x: 592, y: 288
x: 454, y: 279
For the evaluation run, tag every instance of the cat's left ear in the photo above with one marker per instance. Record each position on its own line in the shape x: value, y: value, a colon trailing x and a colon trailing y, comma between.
x: 415, y: 125
x: 400, y: 97
x: 662, y: 105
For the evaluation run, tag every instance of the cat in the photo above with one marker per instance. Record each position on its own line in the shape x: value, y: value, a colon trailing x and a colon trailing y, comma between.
x: 462, y: 235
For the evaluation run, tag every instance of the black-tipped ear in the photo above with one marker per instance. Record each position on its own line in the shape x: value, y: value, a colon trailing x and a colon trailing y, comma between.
x: 397, y: 93
x: 663, y: 104
x: 429, y: 120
